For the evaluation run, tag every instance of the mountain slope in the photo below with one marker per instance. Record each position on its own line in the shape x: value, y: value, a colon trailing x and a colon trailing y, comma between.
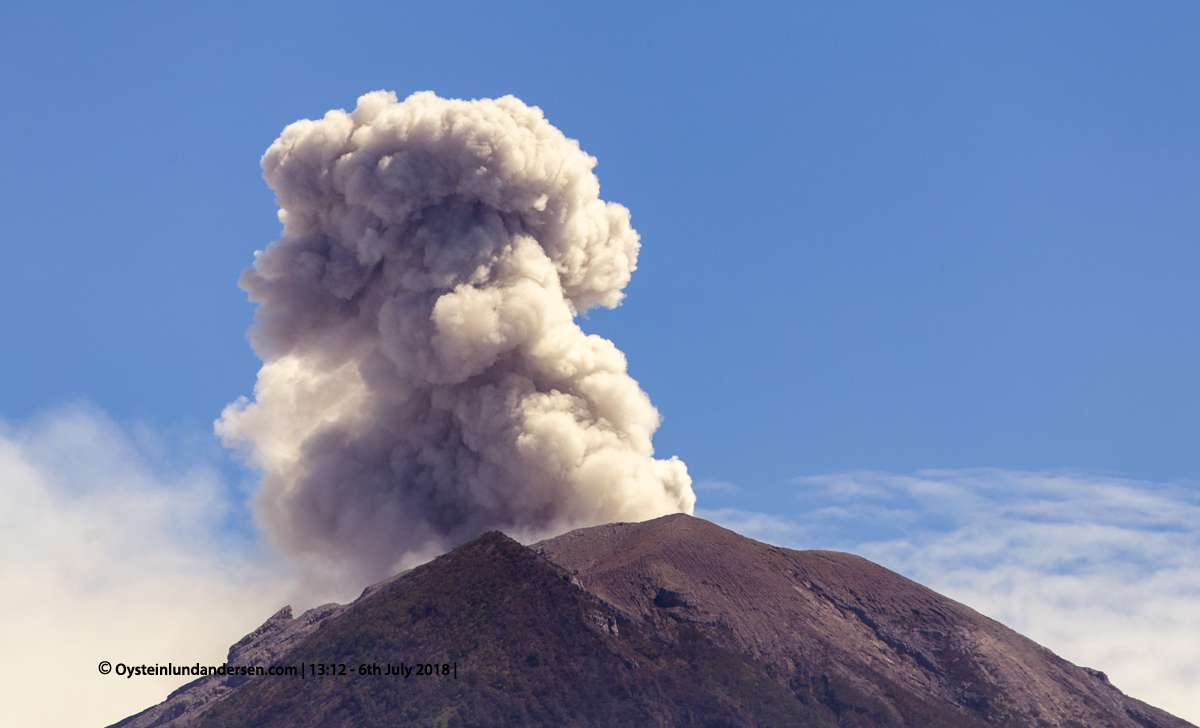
x: 819, y: 615
x: 671, y: 622
x: 529, y: 648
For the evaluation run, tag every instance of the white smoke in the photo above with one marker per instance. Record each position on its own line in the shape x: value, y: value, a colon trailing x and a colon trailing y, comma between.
x: 423, y: 377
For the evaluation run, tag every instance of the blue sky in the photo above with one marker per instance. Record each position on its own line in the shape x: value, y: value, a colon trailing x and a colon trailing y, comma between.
x: 877, y: 239
x: 873, y: 237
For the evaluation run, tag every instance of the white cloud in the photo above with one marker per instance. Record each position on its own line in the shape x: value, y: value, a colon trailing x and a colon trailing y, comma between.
x: 716, y: 486
x: 1104, y: 571
x: 109, y: 553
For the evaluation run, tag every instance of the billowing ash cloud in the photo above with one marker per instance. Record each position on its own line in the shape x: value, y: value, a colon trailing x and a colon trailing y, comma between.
x: 423, y: 378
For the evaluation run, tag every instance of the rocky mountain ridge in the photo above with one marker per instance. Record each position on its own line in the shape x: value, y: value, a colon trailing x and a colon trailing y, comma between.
x: 674, y: 621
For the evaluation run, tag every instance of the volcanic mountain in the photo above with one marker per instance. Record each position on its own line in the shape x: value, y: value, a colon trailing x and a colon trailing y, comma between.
x: 670, y: 622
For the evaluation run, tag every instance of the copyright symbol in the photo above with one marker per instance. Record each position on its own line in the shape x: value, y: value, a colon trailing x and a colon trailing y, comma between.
x: 105, y: 667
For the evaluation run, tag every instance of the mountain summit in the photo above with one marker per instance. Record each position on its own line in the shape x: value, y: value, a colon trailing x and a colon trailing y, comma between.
x: 670, y: 622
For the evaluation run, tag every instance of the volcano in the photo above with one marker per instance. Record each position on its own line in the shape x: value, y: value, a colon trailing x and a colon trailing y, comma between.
x: 669, y: 622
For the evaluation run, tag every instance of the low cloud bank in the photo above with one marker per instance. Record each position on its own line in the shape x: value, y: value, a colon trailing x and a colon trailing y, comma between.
x: 109, y: 551
x: 1104, y: 571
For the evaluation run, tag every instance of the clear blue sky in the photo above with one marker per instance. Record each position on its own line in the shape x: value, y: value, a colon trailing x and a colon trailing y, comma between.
x: 875, y: 235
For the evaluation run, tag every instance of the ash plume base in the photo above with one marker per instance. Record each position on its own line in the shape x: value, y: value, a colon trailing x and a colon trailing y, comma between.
x: 423, y: 376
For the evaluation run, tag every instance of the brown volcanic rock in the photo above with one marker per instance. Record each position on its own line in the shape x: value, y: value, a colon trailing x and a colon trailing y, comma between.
x: 528, y: 648
x: 671, y: 622
x: 264, y: 646
x: 813, y: 616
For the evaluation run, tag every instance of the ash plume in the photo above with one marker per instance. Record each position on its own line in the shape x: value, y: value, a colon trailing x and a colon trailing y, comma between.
x: 423, y: 377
